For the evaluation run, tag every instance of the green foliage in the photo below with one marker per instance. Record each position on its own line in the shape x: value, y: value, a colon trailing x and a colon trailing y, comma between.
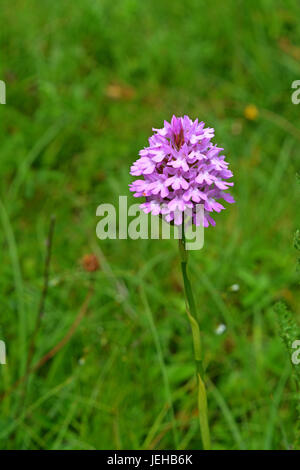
x: 289, y: 332
x: 297, y: 246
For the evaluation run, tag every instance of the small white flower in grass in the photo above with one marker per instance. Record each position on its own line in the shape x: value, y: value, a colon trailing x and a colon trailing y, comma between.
x: 220, y: 329
x: 234, y: 288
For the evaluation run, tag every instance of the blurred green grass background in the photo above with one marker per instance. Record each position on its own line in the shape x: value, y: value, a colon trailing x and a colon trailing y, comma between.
x: 86, y: 81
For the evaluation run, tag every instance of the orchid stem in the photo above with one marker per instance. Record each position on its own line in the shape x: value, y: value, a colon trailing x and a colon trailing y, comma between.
x: 192, y: 316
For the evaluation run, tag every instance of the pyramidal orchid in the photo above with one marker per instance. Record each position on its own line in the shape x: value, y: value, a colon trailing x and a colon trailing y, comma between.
x: 180, y: 169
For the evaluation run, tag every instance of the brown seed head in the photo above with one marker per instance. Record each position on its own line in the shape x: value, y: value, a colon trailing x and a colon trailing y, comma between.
x: 90, y: 263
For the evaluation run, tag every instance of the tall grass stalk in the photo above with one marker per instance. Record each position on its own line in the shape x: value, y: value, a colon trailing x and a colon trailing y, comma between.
x: 198, y: 354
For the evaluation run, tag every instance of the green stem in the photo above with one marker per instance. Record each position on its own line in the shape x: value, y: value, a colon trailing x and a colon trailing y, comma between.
x: 192, y: 316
